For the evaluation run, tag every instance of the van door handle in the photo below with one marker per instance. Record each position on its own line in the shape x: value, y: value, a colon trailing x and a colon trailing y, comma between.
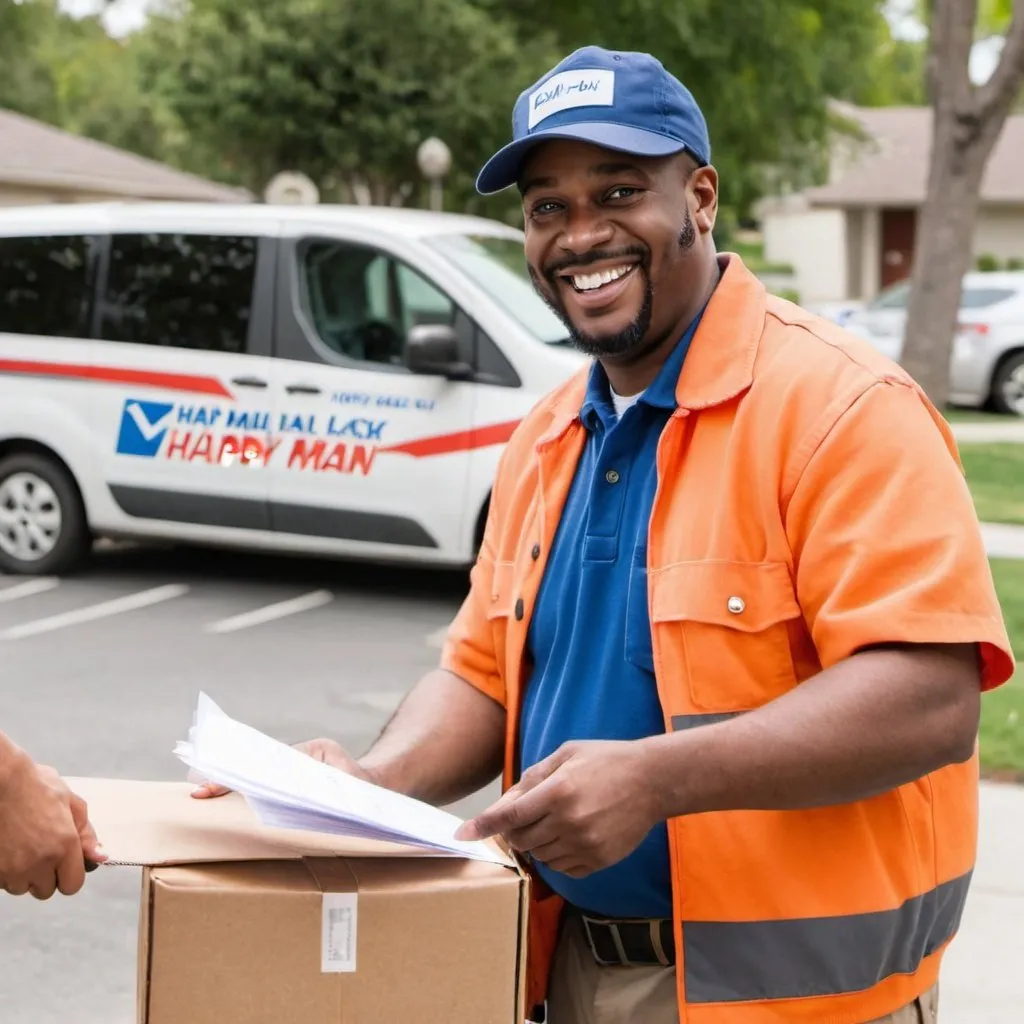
x: 302, y: 389
x: 249, y: 382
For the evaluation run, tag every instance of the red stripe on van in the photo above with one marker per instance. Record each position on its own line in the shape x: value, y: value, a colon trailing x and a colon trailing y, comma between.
x: 462, y: 441
x: 119, y: 375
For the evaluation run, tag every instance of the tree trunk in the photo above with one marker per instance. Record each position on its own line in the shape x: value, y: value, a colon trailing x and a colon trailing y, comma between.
x: 967, y: 122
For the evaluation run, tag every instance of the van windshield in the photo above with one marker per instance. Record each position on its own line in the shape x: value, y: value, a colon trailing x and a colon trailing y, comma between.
x: 499, y: 267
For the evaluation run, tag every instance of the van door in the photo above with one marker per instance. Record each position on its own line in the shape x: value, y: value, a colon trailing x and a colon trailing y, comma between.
x: 181, y: 407
x: 373, y: 458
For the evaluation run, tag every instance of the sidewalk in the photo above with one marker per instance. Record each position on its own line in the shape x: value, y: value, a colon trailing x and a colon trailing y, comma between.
x: 1003, y: 540
x: 980, y: 981
x: 985, y: 433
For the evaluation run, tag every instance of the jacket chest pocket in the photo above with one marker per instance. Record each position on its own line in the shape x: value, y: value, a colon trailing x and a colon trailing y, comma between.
x: 724, y: 626
x: 501, y: 609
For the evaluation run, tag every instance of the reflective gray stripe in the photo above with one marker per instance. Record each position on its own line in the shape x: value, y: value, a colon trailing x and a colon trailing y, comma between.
x: 680, y: 722
x: 730, y: 961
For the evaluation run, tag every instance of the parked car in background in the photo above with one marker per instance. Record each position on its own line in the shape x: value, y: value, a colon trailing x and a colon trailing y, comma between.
x: 987, y: 363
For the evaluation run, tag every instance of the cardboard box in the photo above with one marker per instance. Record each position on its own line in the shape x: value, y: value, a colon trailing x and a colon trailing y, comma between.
x: 240, y: 924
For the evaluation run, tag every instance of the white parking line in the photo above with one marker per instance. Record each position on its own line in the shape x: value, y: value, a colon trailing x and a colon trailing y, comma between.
x: 270, y: 612
x: 29, y: 588
x: 95, y: 611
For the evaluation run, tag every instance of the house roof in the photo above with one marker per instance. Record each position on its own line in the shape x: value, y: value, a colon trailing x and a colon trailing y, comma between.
x: 891, y: 168
x: 39, y: 156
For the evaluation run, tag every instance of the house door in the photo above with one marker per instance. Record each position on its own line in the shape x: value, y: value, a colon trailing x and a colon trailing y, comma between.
x: 898, y: 230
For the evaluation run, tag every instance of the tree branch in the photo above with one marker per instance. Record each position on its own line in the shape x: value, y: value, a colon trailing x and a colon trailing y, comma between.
x: 952, y: 36
x: 999, y: 92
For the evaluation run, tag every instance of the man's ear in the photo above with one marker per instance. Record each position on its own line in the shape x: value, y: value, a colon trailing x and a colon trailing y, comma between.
x: 703, y: 186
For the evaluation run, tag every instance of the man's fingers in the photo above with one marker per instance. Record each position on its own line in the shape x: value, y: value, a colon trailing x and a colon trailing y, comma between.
x: 208, y: 790
x: 511, y: 813
x: 533, y: 837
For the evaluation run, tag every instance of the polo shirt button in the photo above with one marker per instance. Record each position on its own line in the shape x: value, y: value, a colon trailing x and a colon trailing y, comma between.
x: 535, y: 553
x: 519, y: 610
x: 612, y: 476
x: 736, y: 605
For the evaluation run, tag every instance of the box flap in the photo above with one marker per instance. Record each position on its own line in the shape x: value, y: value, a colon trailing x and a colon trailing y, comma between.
x: 151, y: 823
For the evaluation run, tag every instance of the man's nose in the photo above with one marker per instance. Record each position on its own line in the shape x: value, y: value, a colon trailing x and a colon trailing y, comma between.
x: 585, y: 231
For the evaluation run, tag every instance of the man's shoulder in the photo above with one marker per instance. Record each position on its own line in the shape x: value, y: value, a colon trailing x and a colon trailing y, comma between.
x: 551, y: 411
x: 818, y: 353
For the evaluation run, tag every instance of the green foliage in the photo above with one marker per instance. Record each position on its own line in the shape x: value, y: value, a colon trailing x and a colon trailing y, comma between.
x: 986, y: 263
x: 344, y: 92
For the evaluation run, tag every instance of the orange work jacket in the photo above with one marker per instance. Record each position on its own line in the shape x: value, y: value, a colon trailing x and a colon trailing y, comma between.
x: 807, y: 476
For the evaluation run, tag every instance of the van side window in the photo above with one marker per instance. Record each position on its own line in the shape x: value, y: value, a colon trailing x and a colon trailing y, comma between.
x: 45, y: 285
x: 180, y: 291
x: 362, y: 303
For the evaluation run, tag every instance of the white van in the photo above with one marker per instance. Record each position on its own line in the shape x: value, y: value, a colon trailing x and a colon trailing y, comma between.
x: 320, y: 380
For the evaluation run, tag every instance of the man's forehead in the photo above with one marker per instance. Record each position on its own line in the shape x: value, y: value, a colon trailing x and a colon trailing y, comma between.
x: 563, y: 158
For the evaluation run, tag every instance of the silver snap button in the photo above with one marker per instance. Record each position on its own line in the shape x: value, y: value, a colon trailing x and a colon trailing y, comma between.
x: 612, y: 476
x: 736, y: 605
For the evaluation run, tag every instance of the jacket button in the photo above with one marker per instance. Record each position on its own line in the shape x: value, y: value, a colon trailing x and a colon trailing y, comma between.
x: 736, y: 605
x: 519, y: 610
x: 612, y: 476
x: 535, y: 553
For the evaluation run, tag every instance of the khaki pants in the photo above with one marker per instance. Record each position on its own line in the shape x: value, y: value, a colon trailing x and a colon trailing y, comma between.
x: 584, y: 992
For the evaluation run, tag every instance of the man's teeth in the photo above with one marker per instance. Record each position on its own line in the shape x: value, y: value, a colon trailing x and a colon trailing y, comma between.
x: 588, y: 282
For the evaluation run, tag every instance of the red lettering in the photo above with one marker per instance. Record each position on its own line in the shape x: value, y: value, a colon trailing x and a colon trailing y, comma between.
x: 252, y: 449
x: 203, y: 449
x: 362, y: 459
x: 336, y: 460
x: 229, y: 448
x: 305, y: 455
x: 178, y: 445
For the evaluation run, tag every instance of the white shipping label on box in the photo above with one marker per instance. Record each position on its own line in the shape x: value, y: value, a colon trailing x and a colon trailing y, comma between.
x: 338, y: 942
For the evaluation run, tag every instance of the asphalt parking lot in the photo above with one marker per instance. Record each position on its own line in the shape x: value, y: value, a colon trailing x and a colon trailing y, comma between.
x: 100, y: 676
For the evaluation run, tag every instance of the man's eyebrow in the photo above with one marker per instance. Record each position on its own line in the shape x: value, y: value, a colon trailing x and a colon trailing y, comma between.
x: 596, y: 171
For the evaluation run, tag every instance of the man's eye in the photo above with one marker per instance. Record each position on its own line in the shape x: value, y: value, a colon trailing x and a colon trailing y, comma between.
x: 623, y: 192
x: 542, y: 208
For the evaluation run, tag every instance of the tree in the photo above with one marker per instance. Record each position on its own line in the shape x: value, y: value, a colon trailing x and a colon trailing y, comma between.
x: 344, y: 92
x: 967, y: 121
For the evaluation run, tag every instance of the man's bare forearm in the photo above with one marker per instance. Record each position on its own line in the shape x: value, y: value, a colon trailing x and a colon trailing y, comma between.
x: 876, y: 721
x: 12, y: 758
x: 445, y: 741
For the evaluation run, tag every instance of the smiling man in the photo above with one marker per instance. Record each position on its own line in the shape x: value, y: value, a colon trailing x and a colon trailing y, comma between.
x: 730, y: 621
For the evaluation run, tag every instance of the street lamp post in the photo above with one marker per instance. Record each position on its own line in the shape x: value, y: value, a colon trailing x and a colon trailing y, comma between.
x: 435, y: 161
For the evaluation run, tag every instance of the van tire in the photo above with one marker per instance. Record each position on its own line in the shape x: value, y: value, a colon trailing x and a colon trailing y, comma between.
x: 73, y: 540
x: 1010, y: 369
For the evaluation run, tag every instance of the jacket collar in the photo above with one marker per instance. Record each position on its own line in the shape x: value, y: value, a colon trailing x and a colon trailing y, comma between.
x: 720, y: 362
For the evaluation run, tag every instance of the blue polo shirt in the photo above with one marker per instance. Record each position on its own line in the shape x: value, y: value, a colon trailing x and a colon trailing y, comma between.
x: 590, y: 634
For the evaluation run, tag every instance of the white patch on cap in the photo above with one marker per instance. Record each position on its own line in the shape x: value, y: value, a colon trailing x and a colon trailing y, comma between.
x: 582, y: 88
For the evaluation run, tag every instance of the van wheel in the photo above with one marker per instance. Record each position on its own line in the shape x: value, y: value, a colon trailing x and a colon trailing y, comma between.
x: 43, y: 529
x: 1008, y: 386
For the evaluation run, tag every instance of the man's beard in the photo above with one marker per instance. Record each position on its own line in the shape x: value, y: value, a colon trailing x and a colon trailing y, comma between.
x: 631, y: 337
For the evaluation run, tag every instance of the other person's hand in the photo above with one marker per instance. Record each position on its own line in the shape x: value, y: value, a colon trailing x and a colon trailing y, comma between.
x: 46, y: 839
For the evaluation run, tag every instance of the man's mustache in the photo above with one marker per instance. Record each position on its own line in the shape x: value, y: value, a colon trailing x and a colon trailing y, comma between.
x: 552, y: 270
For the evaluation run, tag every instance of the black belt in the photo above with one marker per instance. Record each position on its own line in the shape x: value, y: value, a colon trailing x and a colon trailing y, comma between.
x: 615, y: 942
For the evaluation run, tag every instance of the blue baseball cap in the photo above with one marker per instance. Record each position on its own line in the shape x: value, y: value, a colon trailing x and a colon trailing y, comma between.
x: 623, y: 101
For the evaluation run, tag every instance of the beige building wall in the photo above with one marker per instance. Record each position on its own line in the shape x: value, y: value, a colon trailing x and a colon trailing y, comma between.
x: 1000, y: 232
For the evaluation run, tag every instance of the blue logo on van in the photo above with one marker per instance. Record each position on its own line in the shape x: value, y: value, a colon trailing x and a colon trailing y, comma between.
x: 143, y: 427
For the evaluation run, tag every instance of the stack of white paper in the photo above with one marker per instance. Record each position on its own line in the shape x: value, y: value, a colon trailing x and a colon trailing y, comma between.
x: 288, y: 789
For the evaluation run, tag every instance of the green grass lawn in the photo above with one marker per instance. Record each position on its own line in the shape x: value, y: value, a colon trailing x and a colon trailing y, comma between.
x: 1002, y: 710
x: 978, y: 416
x: 995, y: 473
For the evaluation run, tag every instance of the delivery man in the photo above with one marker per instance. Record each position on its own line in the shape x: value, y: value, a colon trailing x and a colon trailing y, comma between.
x: 46, y: 841
x: 730, y: 623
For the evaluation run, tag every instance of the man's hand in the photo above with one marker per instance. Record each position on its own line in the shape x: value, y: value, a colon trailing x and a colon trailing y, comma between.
x: 320, y: 750
x: 45, y: 835
x: 584, y: 808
